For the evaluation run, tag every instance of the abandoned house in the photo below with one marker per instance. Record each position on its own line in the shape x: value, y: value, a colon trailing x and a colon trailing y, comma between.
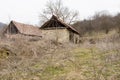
x: 23, y: 29
x: 55, y: 29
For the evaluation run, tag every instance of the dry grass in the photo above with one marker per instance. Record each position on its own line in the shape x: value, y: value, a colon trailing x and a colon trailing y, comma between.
x: 45, y: 60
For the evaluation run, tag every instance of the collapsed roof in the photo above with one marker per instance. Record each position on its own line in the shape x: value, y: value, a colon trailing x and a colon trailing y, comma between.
x: 55, y: 23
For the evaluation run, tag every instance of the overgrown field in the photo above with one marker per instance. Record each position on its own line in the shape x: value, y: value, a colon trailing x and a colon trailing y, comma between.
x: 93, y: 59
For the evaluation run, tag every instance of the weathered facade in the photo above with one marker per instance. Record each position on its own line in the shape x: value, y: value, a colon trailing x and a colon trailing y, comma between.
x: 55, y: 29
x: 23, y: 29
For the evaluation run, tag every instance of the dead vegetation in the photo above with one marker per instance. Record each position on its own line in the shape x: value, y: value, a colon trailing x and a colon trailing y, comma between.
x: 96, y: 58
x: 98, y: 23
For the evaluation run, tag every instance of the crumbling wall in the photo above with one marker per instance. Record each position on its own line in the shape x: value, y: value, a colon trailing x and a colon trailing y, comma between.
x: 11, y: 29
x: 60, y: 35
x: 73, y: 37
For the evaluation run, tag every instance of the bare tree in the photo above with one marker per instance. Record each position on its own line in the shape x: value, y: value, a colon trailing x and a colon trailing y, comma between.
x: 117, y: 22
x: 58, y: 9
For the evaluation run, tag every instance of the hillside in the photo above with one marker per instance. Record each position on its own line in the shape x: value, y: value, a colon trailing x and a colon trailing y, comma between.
x: 2, y: 25
x: 98, y: 23
x: 95, y: 58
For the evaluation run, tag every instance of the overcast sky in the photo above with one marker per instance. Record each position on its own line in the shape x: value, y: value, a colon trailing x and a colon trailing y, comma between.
x: 27, y: 11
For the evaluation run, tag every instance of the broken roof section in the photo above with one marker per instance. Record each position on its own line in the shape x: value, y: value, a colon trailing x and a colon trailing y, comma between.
x: 55, y: 23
